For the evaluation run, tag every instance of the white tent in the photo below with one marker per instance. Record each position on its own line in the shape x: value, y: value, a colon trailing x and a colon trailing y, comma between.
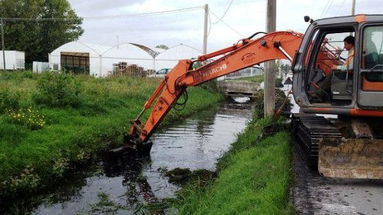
x: 101, y: 58
x: 128, y: 53
x: 98, y: 60
x: 93, y: 51
x: 170, y: 57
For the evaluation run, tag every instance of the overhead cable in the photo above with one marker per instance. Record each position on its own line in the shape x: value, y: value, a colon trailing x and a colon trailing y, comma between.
x: 227, y: 25
x: 326, y: 9
x: 102, y: 17
x: 224, y: 14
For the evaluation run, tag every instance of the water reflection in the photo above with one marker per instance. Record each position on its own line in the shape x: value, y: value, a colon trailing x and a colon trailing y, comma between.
x: 195, y: 143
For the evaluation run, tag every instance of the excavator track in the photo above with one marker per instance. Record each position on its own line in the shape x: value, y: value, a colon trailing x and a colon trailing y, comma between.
x: 309, y: 130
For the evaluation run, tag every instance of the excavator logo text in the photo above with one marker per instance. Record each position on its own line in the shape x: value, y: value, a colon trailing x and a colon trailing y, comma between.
x: 215, y: 70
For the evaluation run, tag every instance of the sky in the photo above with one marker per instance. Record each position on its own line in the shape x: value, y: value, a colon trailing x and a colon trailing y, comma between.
x: 112, y: 22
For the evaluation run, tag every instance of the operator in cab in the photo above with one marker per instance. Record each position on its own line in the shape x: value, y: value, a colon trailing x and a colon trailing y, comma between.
x: 349, y: 43
x: 325, y: 85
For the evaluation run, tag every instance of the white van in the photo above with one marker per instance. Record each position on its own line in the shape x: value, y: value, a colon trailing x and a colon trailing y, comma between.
x: 160, y: 73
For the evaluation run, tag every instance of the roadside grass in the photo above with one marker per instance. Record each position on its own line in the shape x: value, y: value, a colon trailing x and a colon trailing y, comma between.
x: 253, y: 178
x: 73, y: 133
x: 256, y: 79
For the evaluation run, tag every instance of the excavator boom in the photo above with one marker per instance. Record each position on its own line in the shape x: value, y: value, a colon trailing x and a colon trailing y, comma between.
x: 246, y: 53
x: 337, y: 148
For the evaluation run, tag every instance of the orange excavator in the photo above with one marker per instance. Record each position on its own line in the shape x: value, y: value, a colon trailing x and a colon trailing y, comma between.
x: 347, y: 145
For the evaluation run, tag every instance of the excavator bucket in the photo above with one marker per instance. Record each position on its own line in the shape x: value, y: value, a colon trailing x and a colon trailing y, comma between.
x: 351, y: 158
x: 340, y: 148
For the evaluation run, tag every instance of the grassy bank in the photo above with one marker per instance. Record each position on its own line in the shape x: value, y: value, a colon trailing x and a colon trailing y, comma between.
x: 253, y: 178
x: 51, y: 123
x: 255, y: 79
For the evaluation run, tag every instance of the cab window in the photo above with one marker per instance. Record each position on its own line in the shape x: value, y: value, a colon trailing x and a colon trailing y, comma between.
x: 372, y: 47
x: 330, y: 70
x: 371, y: 68
x: 372, y: 59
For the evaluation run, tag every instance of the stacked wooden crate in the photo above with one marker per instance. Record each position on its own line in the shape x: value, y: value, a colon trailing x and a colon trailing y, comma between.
x: 124, y: 69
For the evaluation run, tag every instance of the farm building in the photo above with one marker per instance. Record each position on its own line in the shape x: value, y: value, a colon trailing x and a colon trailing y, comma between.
x: 79, y: 57
x: 39, y: 67
x: 98, y: 60
x: 169, y: 58
x: 14, y: 60
x: 130, y: 59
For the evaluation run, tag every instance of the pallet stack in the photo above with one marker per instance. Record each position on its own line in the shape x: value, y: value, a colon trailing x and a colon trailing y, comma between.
x: 123, y: 69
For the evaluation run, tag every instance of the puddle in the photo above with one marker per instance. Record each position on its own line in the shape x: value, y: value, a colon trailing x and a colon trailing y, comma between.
x: 123, y: 185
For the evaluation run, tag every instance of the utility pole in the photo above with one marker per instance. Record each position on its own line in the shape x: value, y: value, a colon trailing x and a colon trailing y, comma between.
x: 353, y: 7
x: 204, y: 48
x: 269, y: 73
x: 2, y: 42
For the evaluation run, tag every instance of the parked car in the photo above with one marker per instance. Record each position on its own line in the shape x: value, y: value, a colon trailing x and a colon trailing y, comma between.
x: 160, y: 73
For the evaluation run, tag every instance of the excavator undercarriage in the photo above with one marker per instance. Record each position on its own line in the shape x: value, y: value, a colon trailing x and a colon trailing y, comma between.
x: 339, y: 148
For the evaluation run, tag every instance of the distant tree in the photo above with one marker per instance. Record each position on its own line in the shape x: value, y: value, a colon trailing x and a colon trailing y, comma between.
x: 162, y: 46
x: 38, y: 38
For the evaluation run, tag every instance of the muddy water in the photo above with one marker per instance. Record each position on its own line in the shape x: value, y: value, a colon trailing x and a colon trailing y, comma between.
x: 122, y: 186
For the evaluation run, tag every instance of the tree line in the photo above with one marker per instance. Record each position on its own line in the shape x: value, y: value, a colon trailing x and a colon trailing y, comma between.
x: 45, y: 25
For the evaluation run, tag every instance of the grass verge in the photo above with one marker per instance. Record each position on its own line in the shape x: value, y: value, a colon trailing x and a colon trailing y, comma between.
x: 253, y: 177
x: 51, y: 124
x: 255, y: 79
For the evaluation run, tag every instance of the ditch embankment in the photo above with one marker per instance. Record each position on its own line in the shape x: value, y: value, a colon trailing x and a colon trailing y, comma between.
x: 54, y: 127
x: 122, y: 185
x: 53, y: 124
x: 252, y: 178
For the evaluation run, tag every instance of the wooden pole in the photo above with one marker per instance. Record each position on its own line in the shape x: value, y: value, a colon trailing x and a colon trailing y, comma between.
x: 2, y: 42
x: 269, y: 74
x: 204, y: 48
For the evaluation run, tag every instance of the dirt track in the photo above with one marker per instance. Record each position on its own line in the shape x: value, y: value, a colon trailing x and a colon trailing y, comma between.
x: 314, y: 194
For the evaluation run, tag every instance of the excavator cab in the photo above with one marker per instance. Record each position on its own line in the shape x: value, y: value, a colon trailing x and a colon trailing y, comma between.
x: 351, y: 91
x: 351, y: 144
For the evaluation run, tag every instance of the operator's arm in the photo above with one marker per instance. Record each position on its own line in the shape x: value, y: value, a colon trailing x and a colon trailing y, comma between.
x: 345, y: 67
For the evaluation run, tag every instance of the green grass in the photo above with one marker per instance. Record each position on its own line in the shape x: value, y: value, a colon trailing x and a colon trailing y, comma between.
x: 253, y: 178
x: 32, y: 160
x: 256, y: 79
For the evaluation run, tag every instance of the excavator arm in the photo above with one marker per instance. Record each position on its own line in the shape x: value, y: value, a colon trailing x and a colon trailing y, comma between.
x: 247, y: 52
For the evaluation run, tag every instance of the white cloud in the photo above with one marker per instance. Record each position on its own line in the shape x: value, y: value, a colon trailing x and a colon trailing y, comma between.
x: 245, y: 16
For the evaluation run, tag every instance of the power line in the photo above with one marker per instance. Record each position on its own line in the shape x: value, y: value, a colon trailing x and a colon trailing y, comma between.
x: 102, y: 17
x: 148, y: 13
x: 227, y: 25
x: 224, y: 14
x: 324, y: 8
x: 39, y: 19
x: 340, y: 6
x: 210, y: 24
x: 327, y: 7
